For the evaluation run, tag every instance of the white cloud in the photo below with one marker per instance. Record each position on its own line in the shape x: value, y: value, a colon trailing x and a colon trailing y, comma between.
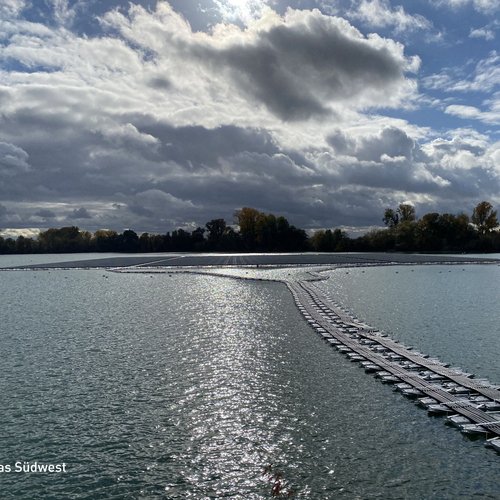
x: 64, y: 14
x: 15, y: 233
x: 464, y: 149
x: 485, y: 33
x: 297, y: 65
x: 241, y: 10
x: 486, y: 76
x: 151, y: 124
x: 11, y: 8
x: 471, y: 112
x: 127, y: 133
x: 463, y: 111
x: 485, y: 6
x: 380, y: 14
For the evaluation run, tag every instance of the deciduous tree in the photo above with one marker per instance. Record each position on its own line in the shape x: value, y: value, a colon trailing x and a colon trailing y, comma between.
x: 484, y: 217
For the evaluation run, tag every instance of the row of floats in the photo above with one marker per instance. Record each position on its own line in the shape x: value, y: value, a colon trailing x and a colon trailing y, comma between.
x: 347, y: 333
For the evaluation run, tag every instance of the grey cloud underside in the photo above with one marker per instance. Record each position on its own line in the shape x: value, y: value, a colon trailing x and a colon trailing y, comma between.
x: 198, y: 173
x: 45, y: 214
x: 80, y: 213
x: 391, y: 142
x: 196, y: 145
x: 165, y: 140
x: 296, y: 69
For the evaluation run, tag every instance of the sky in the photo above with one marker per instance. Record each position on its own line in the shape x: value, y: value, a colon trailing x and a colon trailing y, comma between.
x: 154, y: 115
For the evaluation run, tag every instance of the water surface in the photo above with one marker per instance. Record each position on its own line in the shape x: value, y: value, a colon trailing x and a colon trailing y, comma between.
x: 449, y: 311
x: 190, y: 386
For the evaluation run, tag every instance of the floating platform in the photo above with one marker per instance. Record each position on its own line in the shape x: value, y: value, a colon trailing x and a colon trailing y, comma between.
x: 443, y: 390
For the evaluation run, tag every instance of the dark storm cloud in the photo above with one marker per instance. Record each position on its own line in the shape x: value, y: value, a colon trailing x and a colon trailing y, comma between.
x: 191, y: 169
x: 194, y: 146
x: 45, y: 214
x: 298, y: 67
x: 13, y: 160
x: 140, y: 211
x: 80, y: 213
x: 195, y: 173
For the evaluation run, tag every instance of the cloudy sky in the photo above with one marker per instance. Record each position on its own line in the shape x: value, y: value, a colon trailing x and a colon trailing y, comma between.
x: 161, y: 114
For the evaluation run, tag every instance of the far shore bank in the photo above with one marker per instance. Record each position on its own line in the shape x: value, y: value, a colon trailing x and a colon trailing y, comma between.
x: 254, y: 260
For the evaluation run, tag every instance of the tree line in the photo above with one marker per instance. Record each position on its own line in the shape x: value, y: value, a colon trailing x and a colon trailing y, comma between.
x: 256, y: 231
x: 435, y: 232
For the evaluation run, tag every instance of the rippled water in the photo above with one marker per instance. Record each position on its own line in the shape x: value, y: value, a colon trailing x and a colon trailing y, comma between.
x: 451, y: 312
x: 191, y: 386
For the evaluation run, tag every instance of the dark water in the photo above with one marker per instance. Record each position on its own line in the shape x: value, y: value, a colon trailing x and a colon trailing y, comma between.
x: 189, y: 386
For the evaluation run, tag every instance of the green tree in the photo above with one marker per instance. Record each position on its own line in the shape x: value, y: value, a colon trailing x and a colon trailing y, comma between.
x: 391, y: 217
x: 216, y: 229
x: 484, y: 217
x: 328, y: 241
x: 105, y: 240
x: 65, y: 239
x: 24, y: 245
x: 128, y: 241
x: 406, y: 212
x: 246, y: 218
x: 266, y: 232
x: 198, y: 239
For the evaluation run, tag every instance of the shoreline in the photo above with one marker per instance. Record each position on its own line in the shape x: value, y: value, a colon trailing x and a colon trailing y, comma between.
x: 264, y: 261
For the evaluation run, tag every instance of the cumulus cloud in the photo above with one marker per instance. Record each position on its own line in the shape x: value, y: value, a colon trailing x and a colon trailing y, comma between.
x: 298, y: 65
x: 467, y: 159
x: 445, y: 171
x: 153, y: 125
x: 389, y: 159
x: 240, y: 10
x: 391, y: 142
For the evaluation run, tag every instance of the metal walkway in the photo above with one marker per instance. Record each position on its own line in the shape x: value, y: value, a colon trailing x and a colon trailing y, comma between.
x: 455, y: 390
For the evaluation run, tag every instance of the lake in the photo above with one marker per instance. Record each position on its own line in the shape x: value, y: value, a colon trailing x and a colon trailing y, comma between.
x: 194, y: 386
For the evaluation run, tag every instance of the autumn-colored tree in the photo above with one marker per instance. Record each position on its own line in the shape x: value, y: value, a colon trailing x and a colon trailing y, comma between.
x: 246, y: 218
